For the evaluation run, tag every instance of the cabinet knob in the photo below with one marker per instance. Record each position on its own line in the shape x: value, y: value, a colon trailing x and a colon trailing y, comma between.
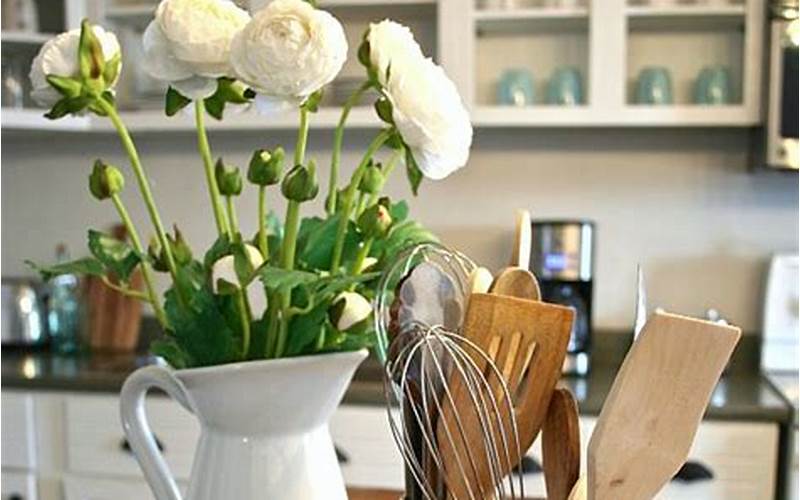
x: 126, y: 446
x: 693, y: 471
x: 15, y: 496
x: 341, y: 456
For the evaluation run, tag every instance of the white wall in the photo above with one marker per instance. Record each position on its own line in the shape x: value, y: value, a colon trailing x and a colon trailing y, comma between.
x: 681, y: 202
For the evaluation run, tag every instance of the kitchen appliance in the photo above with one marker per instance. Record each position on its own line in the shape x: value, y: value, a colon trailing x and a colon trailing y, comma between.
x: 562, y: 258
x: 781, y: 337
x: 781, y: 126
x: 23, y: 319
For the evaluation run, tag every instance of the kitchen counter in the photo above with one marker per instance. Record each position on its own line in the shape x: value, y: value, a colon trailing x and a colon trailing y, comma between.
x: 740, y: 395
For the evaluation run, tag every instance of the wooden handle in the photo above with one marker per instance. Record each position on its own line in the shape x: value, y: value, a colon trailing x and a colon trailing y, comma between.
x: 561, y: 440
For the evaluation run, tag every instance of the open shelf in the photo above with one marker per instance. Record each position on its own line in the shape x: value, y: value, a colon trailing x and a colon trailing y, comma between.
x: 705, y: 17
x: 33, y: 119
x: 630, y: 116
x: 25, y: 37
x: 517, y: 20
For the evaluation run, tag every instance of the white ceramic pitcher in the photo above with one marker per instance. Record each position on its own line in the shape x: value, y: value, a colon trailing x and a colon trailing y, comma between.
x: 264, y: 427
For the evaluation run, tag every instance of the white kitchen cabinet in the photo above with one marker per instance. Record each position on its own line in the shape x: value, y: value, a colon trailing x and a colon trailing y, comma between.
x: 18, y: 444
x: 77, y: 487
x: 96, y: 443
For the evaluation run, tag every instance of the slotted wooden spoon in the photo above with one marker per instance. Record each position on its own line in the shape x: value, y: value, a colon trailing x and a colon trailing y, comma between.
x: 528, y: 341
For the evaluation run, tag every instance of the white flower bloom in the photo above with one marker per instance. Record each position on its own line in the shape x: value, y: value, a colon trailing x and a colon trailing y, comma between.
x: 427, y: 108
x: 428, y: 112
x: 225, y: 269
x: 391, y: 44
x: 59, y: 56
x: 288, y: 51
x: 355, y: 310
x: 188, y: 43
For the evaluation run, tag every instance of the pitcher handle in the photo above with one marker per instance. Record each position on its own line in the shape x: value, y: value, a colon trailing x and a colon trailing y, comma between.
x: 137, y: 430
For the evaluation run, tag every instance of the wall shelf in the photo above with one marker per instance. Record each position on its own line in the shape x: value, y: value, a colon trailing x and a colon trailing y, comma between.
x: 33, y: 119
x: 518, y: 20
x: 25, y: 37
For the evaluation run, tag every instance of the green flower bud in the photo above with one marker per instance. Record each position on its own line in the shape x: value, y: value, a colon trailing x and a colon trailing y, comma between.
x: 105, y: 180
x: 300, y: 183
x: 373, y: 180
x: 229, y: 180
x: 349, y: 311
x: 375, y: 221
x: 156, y: 255
x: 180, y: 249
x: 265, y: 168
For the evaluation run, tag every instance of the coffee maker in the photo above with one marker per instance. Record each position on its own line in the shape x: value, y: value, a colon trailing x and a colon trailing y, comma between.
x: 562, y: 258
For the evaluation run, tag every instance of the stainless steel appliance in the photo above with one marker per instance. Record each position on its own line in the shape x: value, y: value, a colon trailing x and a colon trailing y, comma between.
x: 23, y: 318
x: 781, y: 134
x: 562, y: 258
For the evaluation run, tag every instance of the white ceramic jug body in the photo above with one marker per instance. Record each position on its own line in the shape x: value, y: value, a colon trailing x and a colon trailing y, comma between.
x: 264, y: 427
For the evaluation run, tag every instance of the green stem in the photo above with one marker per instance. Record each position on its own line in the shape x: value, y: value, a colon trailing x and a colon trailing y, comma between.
x: 147, y: 272
x: 363, y: 253
x: 387, y: 171
x: 244, y: 316
x: 338, y: 139
x: 144, y: 185
x: 361, y: 203
x: 302, y: 137
x: 263, y: 244
x: 208, y: 166
x: 287, y: 262
x: 349, y: 198
x: 130, y: 292
x: 234, y: 221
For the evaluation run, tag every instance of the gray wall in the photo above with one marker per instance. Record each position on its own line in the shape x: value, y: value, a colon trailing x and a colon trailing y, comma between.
x: 681, y: 202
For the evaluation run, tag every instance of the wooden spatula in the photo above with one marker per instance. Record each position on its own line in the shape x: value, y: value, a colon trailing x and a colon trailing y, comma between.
x: 528, y: 341
x: 650, y: 417
x: 561, y: 445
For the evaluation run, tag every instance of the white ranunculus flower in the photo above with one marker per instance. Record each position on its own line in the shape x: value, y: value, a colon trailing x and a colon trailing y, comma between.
x: 428, y: 112
x: 390, y: 44
x: 59, y: 56
x: 355, y: 309
x: 288, y: 51
x: 225, y: 269
x: 188, y: 43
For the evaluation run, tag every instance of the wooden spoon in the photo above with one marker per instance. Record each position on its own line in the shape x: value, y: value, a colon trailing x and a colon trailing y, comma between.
x: 528, y: 342
x: 651, y: 415
x: 521, y: 252
x: 561, y: 445
x: 516, y: 282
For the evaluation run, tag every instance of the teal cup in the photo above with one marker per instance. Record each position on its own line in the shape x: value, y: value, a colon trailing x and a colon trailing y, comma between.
x: 713, y: 86
x: 516, y: 88
x: 654, y: 86
x: 565, y: 87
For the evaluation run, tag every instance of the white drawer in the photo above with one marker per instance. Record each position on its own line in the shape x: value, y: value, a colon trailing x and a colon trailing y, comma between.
x: 17, y: 485
x: 362, y: 433
x: 77, y: 487
x: 18, y: 440
x: 95, y: 437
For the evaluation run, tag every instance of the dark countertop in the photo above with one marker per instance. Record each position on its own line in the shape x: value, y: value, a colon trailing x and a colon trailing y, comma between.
x: 743, y: 394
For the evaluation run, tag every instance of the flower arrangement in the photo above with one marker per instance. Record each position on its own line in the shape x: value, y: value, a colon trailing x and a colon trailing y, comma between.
x: 299, y: 286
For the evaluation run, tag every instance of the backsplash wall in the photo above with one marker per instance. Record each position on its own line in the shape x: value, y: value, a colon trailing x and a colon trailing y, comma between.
x: 680, y: 202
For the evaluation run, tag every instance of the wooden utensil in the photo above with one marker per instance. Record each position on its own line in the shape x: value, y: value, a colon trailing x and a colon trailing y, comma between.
x: 561, y: 445
x: 516, y: 282
x: 521, y: 252
x: 528, y: 342
x: 651, y: 414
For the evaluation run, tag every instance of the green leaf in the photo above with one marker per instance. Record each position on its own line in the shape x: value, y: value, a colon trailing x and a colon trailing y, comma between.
x: 316, y: 238
x: 228, y: 90
x: 66, y: 86
x: 413, y: 172
x: 305, y: 329
x: 175, y: 101
x: 169, y: 349
x: 68, y: 106
x: 201, y: 330
x: 242, y: 265
x: 84, y: 267
x: 220, y: 248
x: 117, y: 256
x: 383, y: 107
x: 276, y: 279
x: 215, y: 106
x: 400, y: 237
x: 399, y: 211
